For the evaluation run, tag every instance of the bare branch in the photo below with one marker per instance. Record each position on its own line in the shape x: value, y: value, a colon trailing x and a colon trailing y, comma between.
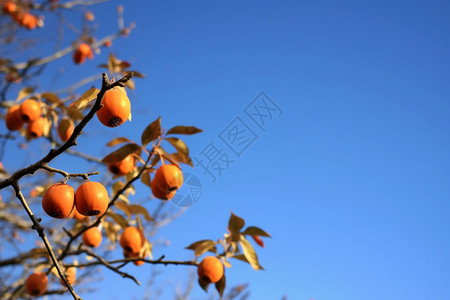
x: 67, y: 175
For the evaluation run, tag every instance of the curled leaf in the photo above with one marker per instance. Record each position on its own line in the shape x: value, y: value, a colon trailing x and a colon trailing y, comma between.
x: 117, y: 141
x: 252, y: 230
x: 84, y: 100
x: 202, y: 246
x: 184, y: 130
x: 249, y: 253
x: 122, y: 152
x: 179, y: 145
x: 151, y: 132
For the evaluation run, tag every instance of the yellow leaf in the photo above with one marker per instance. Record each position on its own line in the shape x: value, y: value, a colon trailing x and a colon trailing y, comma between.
x: 24, y: 92
x: 84, y: 100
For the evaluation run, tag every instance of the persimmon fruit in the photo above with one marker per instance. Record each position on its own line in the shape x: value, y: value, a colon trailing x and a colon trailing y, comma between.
x: 123, y: 166
x: 29, y: 21
x: 159, y: 193
x: 71, y: 275
x: 92, y: 237
x: 132, y: 239
x: 133, y: 255
x: 116, y: 107
x: 9, y: 7
x: 65, y: 129
x: 82, y: 52
x: 210, y: 269
x: 91, y: 199
x: 76, y: 215
x: 13, y: 118
x: 35, y: 128
x: 167, y: 180
x: 58, y: 201
x: 36, y: 284
x: 30, y: 110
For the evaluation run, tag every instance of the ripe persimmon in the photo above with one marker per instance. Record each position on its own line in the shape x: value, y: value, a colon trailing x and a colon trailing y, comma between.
x: 13, y: 118
x: 36, y: 284
x: 168, y: 179
x: 71, y: 275
x: 92, y: 237
x: 123, y: 166
x: 35, y: 128
x: 159, y: 193
x: 9, y: 7
x: 30, y: 110
x: 91, y: 199
x: 133, y: 255
x: 76, y: 215
x: 58, y: 201
x: 132, y: 240
x: 65, y: 129
x: 210, y: 269
x: 28, y: 20
x: 83, y: 51
x: 116, y: 107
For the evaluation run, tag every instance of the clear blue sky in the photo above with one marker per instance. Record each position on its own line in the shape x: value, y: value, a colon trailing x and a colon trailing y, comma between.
x: 352, y: 180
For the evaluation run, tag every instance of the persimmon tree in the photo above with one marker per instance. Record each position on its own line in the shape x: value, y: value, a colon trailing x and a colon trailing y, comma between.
x: 94, y: 210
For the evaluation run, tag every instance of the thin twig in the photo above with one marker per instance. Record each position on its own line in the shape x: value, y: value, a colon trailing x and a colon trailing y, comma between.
x: 67, y: 175
x: 104, y: 262
x: 63, y: 52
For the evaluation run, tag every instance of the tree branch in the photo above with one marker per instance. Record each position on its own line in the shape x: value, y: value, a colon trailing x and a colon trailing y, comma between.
x: 40, y: 230
x: 72, y: 140
x: 104, y: 262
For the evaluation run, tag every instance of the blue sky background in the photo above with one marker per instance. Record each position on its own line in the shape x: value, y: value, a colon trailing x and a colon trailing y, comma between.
x: 352, y: 180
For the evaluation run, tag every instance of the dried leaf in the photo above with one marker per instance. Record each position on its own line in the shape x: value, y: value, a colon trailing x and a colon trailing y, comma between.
x: 84, y: 100
x: 138, y: 209
x: 182, y: 158
x: 51, y: 97
x: 179, y: 145
x: 123, y: 207
x: 145, y: 179
x: 252, y: 230
x: 24, y: 92
x: 249, y: 253
x: 137, y: 74
x: 117, y: 141
x: 152, y: 132
x: 122, y: 152
x: 74, y: 114
x: 203, y: 284
x: 130, y: 84
x: 235, y: 225
x: 202, y: 246
x: 184, y: 130
x: 119, y: 219
x: 220, y: 285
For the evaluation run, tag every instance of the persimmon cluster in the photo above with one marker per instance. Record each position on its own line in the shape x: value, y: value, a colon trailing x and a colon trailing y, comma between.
x: 21, y: 15
x: 29, y: 112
